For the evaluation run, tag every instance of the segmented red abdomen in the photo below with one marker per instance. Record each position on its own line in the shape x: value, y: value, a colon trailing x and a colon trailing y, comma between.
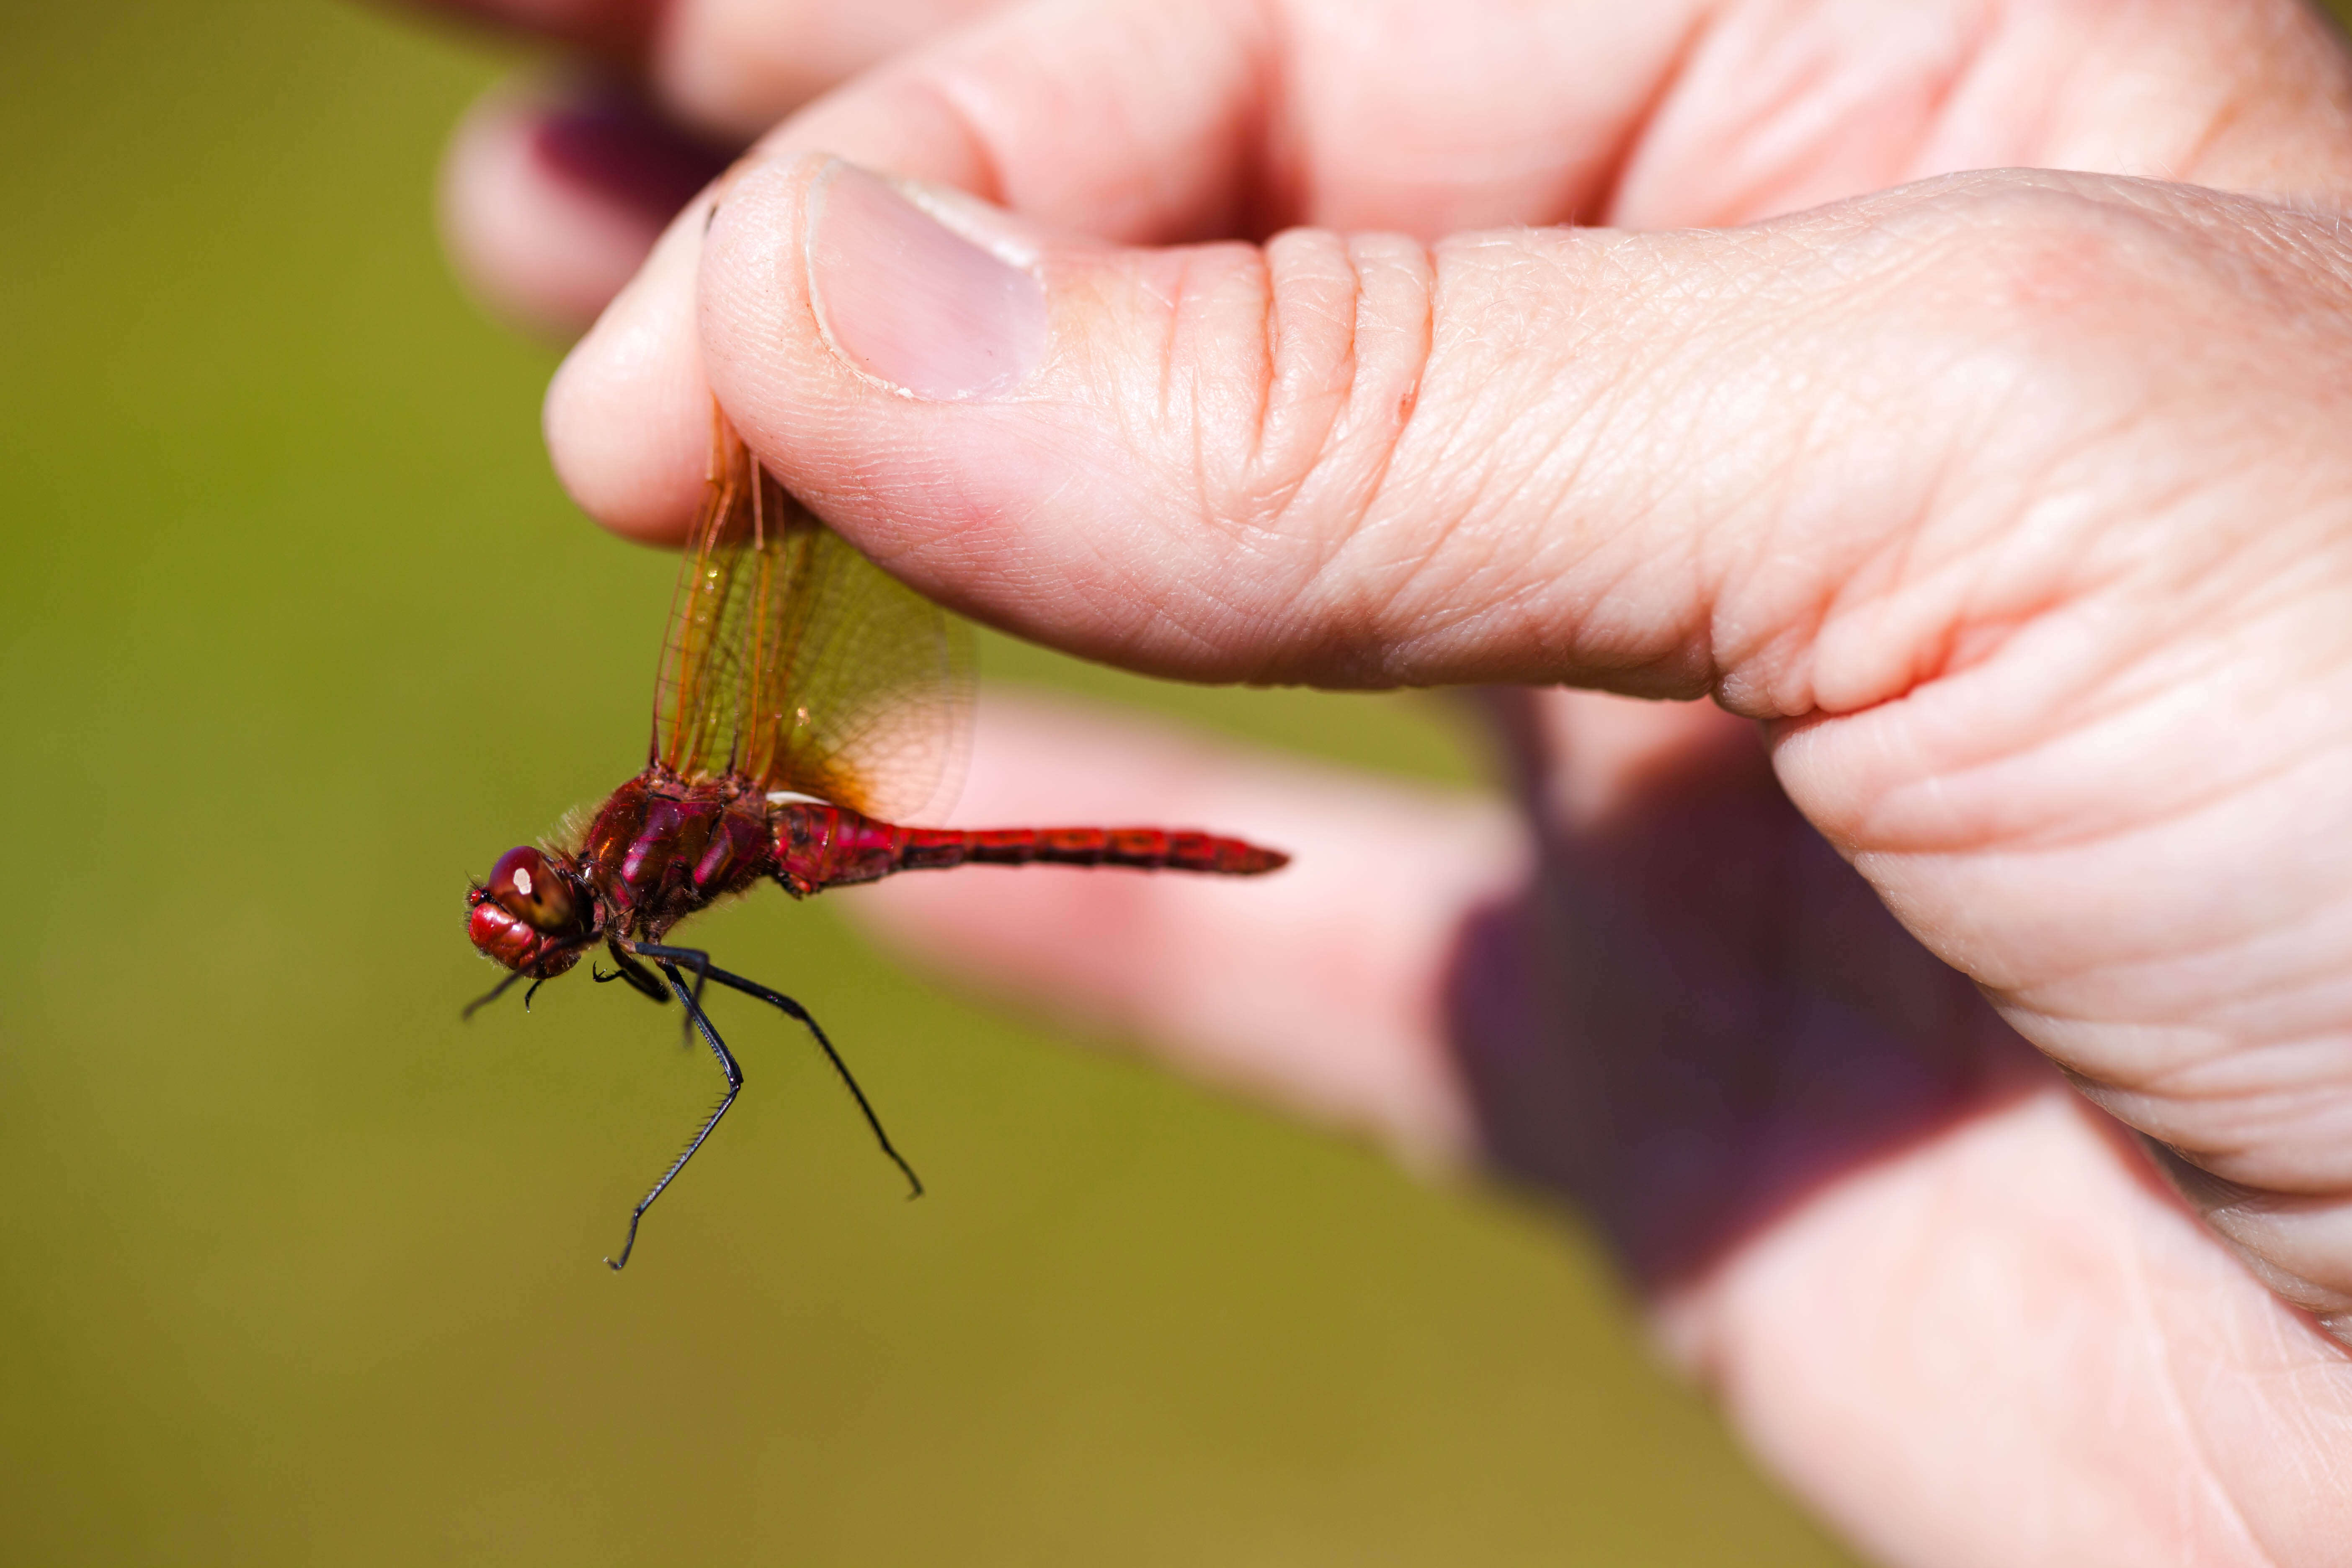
x: 820, y: 845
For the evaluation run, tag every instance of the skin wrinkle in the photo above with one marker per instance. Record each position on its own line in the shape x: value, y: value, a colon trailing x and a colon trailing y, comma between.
x: 2299, y: 1006
x: 1222, y: 499
x: 1417, y: 633
x: 1376, y: 597
x: 1211, y: 635
x: 1608, y: 587
x: 2236, y: 1150
x: 1325, y: 399
x: 2251, y: 1072
x: 1169, y: 347
x: 1361, y: 522
x: 2020, y: 863
x: 2241, y: 1141
x: 1119, y: 577
x: 2296, y: 998
x: 2097, y: 684
x: 2229, y: 1130
x: 1269, y: 383
x: 2017, y: 995
x: 1164, y: 619
x: 1147, y: 617
x: 1950, y: 778
x: 1438, y: 527
x: 2082, y: 725
x: 1988, y: 614
x: 1236, y: 498
x: 2251, y: 1035
x: 2019, y: 562
x: 1169, y: 300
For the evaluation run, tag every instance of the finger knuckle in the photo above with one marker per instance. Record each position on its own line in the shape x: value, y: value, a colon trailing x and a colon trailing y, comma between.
x: 1310, y: 354
x: 2056, y: 273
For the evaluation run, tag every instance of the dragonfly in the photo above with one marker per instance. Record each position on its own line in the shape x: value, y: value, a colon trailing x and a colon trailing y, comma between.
x: 806, y: 705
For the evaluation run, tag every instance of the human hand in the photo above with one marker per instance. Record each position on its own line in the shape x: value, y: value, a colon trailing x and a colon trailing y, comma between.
x: 2013, y: 507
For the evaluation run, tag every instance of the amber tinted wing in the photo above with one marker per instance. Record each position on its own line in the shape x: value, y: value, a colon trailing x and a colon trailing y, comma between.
x: 861, y: 688
x: 799, y: 663
x: 698, y: 695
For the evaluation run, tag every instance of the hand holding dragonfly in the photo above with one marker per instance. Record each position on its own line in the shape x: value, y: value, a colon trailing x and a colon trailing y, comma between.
x: 2012, y: 511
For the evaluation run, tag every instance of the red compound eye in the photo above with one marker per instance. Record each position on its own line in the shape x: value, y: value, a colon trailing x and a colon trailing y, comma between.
x: 532, y: 888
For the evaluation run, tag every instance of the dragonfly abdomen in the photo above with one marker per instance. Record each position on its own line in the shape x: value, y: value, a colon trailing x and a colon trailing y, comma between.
x: 1144, y: 849
x: 820, y: 845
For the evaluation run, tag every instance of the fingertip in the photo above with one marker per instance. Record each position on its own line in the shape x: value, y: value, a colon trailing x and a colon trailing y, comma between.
x: 552, y: 195
x: 627, y: 416
x: 746, y: 288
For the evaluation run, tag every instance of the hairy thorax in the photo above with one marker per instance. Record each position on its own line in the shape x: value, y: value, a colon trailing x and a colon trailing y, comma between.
x: 662, y: 847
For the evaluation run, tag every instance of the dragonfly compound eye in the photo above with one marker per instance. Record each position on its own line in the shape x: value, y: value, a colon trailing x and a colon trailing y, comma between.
x: 530, y: 915
x: 529, y: 886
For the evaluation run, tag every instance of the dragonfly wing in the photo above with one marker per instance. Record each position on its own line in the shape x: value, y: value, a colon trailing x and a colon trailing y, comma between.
x: 798, y: 664
x: 701, y: 694
x: 860, y: 689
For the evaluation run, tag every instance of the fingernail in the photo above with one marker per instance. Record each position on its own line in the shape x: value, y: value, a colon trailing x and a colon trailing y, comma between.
x: 909, y: 302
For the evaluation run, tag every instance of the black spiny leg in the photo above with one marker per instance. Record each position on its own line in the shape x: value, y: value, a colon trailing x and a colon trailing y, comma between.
x: 699, y: 962
x: 701, y: 1022
x: 492, y: 995
x: 639, y: 977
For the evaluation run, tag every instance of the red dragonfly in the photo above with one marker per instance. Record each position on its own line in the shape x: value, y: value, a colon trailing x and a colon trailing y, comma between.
x: 804, y: 700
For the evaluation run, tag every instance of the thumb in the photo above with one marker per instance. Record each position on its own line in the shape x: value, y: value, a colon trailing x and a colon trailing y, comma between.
x: 1994, y: 492
x: 1775, y: 463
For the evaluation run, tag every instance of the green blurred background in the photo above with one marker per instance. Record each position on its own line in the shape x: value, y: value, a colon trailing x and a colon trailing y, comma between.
x: 297, y: 1270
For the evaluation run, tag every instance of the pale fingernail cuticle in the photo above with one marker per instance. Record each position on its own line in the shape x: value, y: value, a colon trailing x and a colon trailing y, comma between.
x: 906, y: 300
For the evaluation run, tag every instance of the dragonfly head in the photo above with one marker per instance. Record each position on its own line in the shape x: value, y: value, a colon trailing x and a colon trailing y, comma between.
x: 535, y: 914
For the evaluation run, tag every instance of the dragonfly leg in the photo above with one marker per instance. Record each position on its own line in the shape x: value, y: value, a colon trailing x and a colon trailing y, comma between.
x: 699, y: 1020
x: 705, y: 971
x: 638, y: 976
x: 492, y: 995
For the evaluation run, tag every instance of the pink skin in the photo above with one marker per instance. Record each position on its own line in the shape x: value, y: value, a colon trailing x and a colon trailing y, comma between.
x: 2013, y: 512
